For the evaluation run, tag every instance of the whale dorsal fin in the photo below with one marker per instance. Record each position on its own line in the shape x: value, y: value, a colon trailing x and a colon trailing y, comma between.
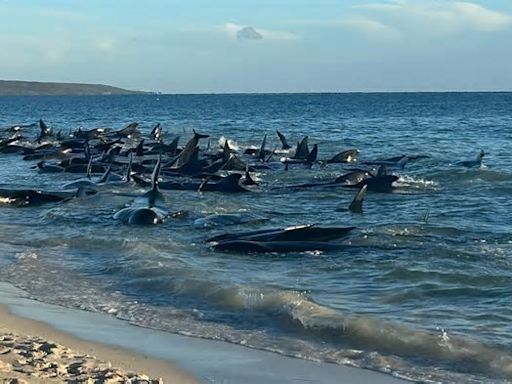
x: 154, y: 194
x: 382, y: 171
x: 261, y: 153
x: 357, y: 204
x: 302, y: 150
x: 139, y: 149
x: 403, y: 161
x: 284, y: 142
x: 312, y: 156
x: 248, y: 179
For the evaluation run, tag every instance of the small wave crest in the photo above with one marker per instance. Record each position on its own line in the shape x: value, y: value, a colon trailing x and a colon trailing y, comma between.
x: 232, y: 143
x: 411, y: 182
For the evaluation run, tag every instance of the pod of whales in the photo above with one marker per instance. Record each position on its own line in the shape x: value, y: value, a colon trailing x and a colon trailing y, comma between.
x: 100, y: 156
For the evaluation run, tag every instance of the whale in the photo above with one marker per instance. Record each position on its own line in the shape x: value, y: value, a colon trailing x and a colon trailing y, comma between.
x: 156, y: 133
x: 344, y: 157
x: 381, y: 182
x: 228, y: 184
x: 473, y: 163
x: 37, y: 197
x: 191, y: 148
x: 144, y: 210
x: 305, y: 232
x: 282, y: 240
x: 131, y: 130
x: 350, y: 178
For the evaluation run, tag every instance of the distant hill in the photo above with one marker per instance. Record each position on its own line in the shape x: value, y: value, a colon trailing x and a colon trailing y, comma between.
x: 33, y: 88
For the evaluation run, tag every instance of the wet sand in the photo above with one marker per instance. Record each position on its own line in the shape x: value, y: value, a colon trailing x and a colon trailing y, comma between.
x: 33, y: 352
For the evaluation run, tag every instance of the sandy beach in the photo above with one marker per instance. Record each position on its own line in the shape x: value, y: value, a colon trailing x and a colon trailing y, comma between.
x: 33, y: 352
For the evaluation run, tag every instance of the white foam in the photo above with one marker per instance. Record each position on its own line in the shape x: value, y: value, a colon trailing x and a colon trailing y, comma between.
x: 232, y: 144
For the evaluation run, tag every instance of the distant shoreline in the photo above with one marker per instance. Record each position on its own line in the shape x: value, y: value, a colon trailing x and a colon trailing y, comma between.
x: 36, y: 88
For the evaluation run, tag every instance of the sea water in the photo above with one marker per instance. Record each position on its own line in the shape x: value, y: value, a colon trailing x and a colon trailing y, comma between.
x: 423, y: 289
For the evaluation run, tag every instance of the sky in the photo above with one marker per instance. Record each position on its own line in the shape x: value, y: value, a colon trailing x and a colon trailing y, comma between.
x: 225, y: 46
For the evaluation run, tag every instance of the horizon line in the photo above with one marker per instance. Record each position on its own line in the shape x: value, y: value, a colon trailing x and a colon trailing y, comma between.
x: 314, y: 92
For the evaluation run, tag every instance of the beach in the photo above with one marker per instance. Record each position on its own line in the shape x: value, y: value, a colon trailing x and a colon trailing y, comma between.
x: 33, y: 352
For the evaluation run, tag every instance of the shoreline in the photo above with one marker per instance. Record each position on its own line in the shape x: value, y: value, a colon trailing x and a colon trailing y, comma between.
x: 33, y: 351
x: 175, y: 358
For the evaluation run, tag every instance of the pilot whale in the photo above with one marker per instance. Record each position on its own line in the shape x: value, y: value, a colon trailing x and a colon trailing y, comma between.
x: 473, y: 163
x: 144, y: 210
x: 300, y: 238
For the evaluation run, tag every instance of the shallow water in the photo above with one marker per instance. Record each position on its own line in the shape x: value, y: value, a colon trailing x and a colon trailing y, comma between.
x: 422, y: 296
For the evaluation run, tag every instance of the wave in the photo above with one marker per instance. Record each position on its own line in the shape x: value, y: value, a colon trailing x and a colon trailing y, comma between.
x: 173, y: 297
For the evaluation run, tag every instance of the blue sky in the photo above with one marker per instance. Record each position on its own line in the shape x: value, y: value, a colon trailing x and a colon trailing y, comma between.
x: 194, y: 46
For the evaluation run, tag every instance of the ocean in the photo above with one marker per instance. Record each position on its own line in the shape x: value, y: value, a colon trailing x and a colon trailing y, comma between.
x: 422, y: 290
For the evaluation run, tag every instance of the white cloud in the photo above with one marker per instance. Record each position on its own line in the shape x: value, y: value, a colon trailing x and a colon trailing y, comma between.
x: 482, y: 18
x: 395, y: 19
x: 369, y: 27
x: 445, y: 16
x: 232, y: 29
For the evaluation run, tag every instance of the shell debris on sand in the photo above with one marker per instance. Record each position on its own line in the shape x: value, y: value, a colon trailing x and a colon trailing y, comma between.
x: 30, y: 359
